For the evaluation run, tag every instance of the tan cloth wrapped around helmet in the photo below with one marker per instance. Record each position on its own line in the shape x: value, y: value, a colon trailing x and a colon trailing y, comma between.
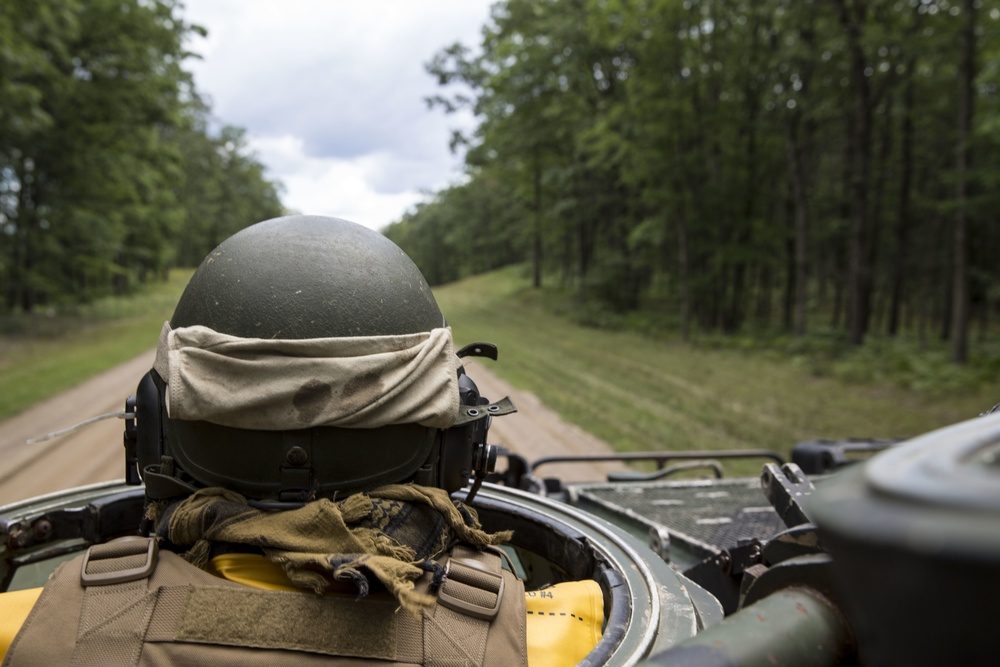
x: 259, y: 384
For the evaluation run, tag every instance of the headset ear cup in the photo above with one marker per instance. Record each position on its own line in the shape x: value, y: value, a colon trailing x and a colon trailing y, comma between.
x: 149, y: 431
x: 455, y: 464
x: 459, y: 444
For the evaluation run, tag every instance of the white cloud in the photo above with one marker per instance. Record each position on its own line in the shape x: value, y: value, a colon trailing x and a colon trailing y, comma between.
x: 331, y: 94
x: 334, y: 186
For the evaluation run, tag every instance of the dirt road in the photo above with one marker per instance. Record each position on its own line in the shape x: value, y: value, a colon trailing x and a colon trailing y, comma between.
x: 92, y: 454
x: 95, y: 454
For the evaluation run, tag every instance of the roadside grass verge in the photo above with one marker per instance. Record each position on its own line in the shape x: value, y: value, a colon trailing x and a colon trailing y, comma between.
x: 640, y: 393
x: 44, y: 354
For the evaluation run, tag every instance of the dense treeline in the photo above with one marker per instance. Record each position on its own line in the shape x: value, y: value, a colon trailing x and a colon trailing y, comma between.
x: 732, y: 163
x: 109, y: 172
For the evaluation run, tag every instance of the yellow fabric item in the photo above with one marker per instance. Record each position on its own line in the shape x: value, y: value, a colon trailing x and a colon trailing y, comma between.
x: 563, y: 622
x: 252, y: 570
x: 14, y: 609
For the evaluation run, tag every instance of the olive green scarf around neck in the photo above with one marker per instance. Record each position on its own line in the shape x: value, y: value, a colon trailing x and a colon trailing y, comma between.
x: 390, y: 533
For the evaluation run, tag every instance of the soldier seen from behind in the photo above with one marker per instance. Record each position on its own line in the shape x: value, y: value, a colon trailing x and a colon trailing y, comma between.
x: 299, y: 438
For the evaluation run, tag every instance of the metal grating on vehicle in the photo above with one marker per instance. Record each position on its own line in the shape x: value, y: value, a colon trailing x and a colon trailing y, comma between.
x: 713, y: 513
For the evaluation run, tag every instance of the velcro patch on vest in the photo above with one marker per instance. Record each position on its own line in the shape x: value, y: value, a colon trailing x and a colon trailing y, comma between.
x: 280, y: 620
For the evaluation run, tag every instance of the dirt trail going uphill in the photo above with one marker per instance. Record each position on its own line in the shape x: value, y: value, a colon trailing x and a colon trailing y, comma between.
x: 95, y: 454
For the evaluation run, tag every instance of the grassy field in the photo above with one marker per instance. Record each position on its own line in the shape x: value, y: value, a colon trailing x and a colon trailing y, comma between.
x: 50, y: 352
x: 634, y: 391
x: 640, y: 393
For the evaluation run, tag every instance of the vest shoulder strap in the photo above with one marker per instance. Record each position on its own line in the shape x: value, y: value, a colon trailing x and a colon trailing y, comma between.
x: 117, y: 603
x: 468, y: 618
x: 93, y: 610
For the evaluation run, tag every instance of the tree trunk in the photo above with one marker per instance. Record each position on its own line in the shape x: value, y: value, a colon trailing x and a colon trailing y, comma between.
x: 963, y: 158
x: 789, y: 306
x: 873, y: 238
x: 800, y: 217
x: 744, y: 230
x: 536, y: 255
x: 859, y: 272
x: 903, y: 207
x: 685, y: 288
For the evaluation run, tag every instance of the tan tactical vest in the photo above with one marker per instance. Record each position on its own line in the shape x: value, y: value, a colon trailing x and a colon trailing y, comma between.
x: 122, y: 603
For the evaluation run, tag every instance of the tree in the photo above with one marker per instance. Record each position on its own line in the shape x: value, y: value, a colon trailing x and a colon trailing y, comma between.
x: 706, y: 159
x: 99, y: 124
x: 463, y: 230
x: 92, y: 168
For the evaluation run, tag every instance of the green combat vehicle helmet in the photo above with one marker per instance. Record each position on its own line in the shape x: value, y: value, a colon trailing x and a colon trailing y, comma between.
x: 307, y: 356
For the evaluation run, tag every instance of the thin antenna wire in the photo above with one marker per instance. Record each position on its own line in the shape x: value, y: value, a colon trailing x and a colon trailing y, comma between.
x: 121, y: 414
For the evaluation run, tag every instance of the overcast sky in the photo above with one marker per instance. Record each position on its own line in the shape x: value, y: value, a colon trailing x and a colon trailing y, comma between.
x: 331, y: 93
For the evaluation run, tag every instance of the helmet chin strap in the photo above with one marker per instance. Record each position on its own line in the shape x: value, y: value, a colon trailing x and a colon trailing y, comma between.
x: 274, y: 504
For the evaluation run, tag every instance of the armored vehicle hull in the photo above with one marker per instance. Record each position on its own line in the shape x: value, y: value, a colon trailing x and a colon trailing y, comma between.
x: 888, y: 561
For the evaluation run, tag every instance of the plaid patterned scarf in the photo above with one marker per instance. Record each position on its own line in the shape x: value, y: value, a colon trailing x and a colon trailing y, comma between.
x: 390, y: 533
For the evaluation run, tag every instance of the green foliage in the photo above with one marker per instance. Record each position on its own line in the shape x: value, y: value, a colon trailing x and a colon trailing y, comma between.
x: 464, y: 230
x: 101, y: 137
x: 222, y: 187
x: 781, y: 165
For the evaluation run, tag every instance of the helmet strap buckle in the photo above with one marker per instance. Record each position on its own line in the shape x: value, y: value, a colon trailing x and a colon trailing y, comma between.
x: 295, y: 484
